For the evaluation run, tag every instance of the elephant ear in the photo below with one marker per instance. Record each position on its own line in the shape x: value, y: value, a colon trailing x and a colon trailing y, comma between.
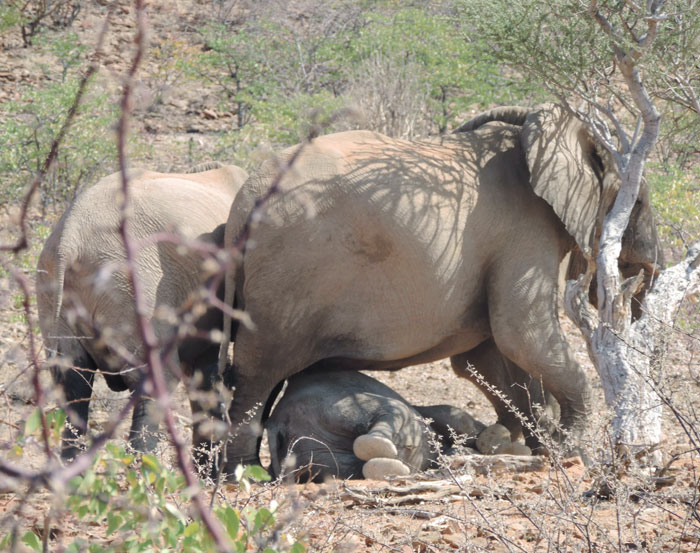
x: 569, y: 171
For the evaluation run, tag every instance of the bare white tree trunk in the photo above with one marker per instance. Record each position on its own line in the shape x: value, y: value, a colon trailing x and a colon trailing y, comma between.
x: 627, y: 354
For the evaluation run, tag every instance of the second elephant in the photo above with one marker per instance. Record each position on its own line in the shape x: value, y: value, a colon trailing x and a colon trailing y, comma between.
x: 85, y: 300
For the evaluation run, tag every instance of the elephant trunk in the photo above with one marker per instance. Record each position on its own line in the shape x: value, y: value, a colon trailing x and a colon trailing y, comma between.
x: 514, y: 115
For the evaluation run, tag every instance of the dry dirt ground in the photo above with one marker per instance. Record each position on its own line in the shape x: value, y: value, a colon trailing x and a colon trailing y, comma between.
x: 458, y: 508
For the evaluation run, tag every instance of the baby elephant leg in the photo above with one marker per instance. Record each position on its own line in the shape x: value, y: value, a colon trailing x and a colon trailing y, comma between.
x: 397, y: 443
x: 379, y: 452
x: 451, y: 423
x: 378, y: 442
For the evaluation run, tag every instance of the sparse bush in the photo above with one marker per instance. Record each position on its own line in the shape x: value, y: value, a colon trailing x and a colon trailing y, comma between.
x: 32, y: 16
x: 142, y: 506
x: 675, y: 195
x: 402, y: 67
x: 424, y: 44
x: 28, y: 127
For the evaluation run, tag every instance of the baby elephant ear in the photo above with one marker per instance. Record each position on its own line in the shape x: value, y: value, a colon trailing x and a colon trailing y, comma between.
x: 565, y: 170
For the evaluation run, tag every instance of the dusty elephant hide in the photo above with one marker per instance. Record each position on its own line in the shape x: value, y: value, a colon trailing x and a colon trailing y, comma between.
x: 380, y: 253
x: 85, y: 300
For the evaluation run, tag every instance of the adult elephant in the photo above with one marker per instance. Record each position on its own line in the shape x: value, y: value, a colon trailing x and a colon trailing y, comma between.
x: 85, y: 300
x: 379, y: 253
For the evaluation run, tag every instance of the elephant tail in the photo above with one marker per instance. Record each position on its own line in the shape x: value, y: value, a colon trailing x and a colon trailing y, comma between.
x: 514, y: 115
x: 50, y: 281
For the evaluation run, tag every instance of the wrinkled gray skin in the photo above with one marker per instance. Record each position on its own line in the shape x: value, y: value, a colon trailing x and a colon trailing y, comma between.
x: 335, y: 421
x: 400, y: 253
x: 85, y: 302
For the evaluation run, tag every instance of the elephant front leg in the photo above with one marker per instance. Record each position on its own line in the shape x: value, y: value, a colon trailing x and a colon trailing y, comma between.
x: 523, y: 313
x: 518, y: 399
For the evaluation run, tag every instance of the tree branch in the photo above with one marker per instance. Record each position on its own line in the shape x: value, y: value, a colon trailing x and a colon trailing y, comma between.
x: 154, y: 365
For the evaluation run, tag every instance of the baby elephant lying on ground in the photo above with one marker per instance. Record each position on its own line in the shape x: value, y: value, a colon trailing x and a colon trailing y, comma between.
x: 349, y: 425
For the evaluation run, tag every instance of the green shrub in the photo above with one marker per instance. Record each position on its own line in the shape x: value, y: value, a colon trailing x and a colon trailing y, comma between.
x: 675, y: 197
x: 143, y: 506
x: 31, y: 17
x: 270, y: 77
x: 28, y: 128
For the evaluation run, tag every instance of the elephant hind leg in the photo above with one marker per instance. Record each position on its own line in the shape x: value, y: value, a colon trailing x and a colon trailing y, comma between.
x: 143, y: 436
x: 148, y: 413
x: 257, y: 357
x: 76, y: 381
x: 208, y: 405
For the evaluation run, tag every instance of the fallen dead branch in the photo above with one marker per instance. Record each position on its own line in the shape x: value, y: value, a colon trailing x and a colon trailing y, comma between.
x: 402, y: 495
x: 415, y: 492
x: 484, y: 464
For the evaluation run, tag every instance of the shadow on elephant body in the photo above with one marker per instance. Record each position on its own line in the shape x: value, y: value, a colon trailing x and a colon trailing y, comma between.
x: 418, y: 251
x: 86, y: 305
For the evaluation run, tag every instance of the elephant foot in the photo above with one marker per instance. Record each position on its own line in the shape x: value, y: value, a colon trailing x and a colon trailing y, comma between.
x: 371, y: 446
x: 488, y: 441
x: 513, y: 448
x: 381, y: 468
x: 496, y: 440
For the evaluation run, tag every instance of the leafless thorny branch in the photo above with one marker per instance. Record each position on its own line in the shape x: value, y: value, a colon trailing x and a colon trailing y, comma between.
x: 154, y: 365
